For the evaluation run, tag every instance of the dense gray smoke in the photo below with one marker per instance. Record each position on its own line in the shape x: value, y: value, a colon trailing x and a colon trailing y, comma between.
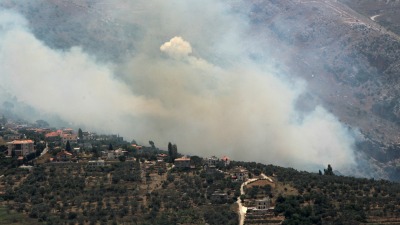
x: 188, y: 79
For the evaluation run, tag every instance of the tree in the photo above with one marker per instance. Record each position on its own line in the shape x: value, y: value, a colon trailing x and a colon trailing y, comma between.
x: 329, y: 171
x: 110, y: 147
x: 170, y: 152
x: 153, y: 146
x: 68, y: 147
x: 3, y: 148
x: 80, y: 134
x: 174, y: 152
x: 122, y: 158
x: 197, y: 161
x: 169, y: 149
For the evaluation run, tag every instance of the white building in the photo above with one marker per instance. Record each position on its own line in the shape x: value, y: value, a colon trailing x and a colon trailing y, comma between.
x: 263, y: 204
x: 95, y: 163
x: 240, y: 174
x: 114, y: 154
x: 212, y: 161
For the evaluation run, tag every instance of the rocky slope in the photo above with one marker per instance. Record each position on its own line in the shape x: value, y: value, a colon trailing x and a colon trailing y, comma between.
x: 351, y: 65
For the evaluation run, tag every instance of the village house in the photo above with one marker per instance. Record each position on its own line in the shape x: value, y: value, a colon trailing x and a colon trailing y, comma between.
x: 210, y: 169
x: 20, y: 147
x: 63, y: 156
x: 240, y: 174
x: 182, y: 162
x: 139, y: 149
x: 95, y: 163
x: 212, y: 161
x: 114, y: 154
x: 263, y: 204
x: 219, y: 197
x: 29, y: 168
x: 10, y: 137
x: 72, y: 138
x: 261, y: 213
x: 162, y: 156
x: 52, y: 136
x: 68, y: 131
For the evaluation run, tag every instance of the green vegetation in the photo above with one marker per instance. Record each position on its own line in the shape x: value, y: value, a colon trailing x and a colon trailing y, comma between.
x: 119, y: 192
x: 10, y: 217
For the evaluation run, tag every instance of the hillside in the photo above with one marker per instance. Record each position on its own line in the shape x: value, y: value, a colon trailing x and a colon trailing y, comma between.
x: 384, y: 13
x: 351, y: 65
x: 127, y: 192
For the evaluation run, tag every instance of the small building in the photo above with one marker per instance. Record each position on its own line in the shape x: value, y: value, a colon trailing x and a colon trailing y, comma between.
x: 182, y: 162
x: 240, y: 174
x: 139, y: 149
x: 29, y: 168
x: 72, y: 138
x: 53, y: 136
x: 68, y: 131
x: 10, y: 137
x: 95, y: 163
x: 64, y: 156
x: 20, y: 147
x: 212, y: 161
x: 210, y: 169
x: 263, y: 204
x: 219, y: 197
x: 161, y: 156
x: 115, y: 154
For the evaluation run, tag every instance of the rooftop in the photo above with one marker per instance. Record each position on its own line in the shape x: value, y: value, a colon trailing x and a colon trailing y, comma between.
x: 16, y: 142
x: 182, y: 159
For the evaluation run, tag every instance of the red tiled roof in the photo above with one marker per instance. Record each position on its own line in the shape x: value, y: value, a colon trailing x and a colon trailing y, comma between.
x: 70, y: 135
x: 52, y: 134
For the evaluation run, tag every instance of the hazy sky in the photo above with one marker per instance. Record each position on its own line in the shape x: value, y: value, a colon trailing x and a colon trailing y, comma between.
x: 188, y: 79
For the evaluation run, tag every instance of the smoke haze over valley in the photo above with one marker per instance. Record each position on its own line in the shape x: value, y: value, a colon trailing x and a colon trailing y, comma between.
x: 202, y: 74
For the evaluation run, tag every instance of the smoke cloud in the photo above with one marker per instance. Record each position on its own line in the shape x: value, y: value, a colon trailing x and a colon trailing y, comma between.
x: 189, y: 80
x: 177, y: 48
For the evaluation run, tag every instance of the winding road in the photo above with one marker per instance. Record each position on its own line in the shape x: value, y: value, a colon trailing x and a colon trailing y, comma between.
x: 243, y: 209
x: 374, y: 17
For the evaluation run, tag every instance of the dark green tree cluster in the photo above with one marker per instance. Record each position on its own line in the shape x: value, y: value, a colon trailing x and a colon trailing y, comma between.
x: 329, y: 171
x: 172, y: 152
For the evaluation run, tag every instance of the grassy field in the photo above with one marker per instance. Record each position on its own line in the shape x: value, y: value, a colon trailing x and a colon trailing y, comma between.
x: 14, y: 218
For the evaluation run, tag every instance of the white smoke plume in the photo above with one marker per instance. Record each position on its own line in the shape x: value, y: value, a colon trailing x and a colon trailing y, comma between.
x: 189, y: 81
x: 177, y: 48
